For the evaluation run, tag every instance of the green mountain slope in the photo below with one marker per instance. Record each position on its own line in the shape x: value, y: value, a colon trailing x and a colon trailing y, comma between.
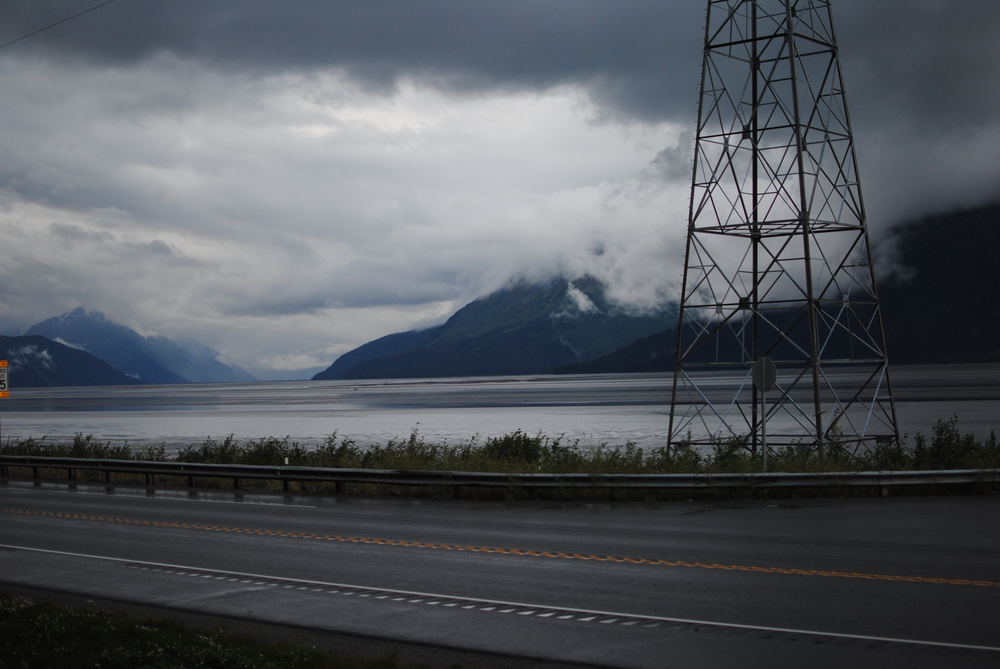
x: 152, y: 359
x: 382, y: 347
x: 39, y: 362
x: 946, y: 309
x: 654, y: 353
x: 521, y: 329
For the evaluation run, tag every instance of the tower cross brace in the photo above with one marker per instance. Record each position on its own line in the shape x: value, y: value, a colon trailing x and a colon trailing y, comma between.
x: 778, y: 260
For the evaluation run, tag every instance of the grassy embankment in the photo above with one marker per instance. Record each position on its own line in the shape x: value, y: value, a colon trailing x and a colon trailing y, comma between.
x: 41, y: 635
x: 947, y: 448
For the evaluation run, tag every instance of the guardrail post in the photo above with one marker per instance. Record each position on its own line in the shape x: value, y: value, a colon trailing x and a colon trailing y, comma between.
x: 617, y: 486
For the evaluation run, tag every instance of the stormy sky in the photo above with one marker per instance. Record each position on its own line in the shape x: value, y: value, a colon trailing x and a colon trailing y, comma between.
x: 283, y: 181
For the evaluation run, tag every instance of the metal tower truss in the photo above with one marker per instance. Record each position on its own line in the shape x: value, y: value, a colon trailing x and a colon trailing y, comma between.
x: 778, y: 259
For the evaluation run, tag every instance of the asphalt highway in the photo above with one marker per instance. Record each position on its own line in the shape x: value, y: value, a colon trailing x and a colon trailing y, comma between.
x: 849, y: 582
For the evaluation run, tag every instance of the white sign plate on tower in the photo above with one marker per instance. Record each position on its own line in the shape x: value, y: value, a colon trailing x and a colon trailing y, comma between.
x: 765, y: 374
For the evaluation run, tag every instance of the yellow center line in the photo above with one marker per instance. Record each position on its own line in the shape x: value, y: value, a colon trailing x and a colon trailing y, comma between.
x: 514, y: 551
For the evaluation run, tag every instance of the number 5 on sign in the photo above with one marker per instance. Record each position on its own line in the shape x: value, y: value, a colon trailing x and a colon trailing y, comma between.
x: 4, y: 388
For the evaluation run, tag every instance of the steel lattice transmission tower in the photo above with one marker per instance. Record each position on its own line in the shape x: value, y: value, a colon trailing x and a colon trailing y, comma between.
x: 778, y: 259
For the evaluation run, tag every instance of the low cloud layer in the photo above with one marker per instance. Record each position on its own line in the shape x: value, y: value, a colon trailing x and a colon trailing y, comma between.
x: 284, y: 182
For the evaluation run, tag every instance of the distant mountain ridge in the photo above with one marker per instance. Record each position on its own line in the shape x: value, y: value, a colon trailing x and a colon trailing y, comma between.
x: 37, y: 361
x: 522, y: 329
x: 382, y: 347
x: 943, y: 308
x: 152, y: 359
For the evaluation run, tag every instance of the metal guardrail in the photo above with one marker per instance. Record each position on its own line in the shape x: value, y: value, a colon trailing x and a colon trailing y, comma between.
x: 882, y: 480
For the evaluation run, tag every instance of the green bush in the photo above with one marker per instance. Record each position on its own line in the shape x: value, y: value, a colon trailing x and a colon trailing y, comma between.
x: 516, y: 447
x: 346, y: 454
x: 949, y: 449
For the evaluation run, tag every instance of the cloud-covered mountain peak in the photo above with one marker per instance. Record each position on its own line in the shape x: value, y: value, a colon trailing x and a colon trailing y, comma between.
x: 151, y: 359
x: 524, y: 328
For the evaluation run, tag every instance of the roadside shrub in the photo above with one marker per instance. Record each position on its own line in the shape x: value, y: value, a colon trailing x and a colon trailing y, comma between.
x: 682, y: 460
x: 616, y: 459
x: 947, y: 448
x: 730, y: 456
x: 413, y: 453
x: 558, y: 458
x: 346, y: 454
x: 515, y: 447
x: 211, y: 452
x: 886, y: 456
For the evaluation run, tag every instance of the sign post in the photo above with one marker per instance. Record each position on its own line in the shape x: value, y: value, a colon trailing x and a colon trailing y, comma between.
x: 4, y: 388
x: 765, y: 373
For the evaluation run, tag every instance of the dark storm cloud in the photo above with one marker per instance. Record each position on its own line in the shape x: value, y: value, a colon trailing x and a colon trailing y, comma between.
x: 932, y: 60
x: 921, y: 77
x: 936, y: 62
x: 285, y: 180
x: 636, y: 54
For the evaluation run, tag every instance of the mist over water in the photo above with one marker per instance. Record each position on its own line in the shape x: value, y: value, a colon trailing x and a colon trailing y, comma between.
x: 610, y: 409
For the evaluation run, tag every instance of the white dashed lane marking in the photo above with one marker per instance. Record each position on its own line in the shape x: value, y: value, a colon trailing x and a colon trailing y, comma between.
x: 530, y: 611
x: 375, y: 593
x: 535, y: 611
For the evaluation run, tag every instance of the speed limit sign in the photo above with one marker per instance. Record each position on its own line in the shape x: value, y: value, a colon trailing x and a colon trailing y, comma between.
x: 4, y: 388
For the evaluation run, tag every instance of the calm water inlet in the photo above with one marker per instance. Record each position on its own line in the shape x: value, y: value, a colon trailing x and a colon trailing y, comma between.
x: 612, y: 409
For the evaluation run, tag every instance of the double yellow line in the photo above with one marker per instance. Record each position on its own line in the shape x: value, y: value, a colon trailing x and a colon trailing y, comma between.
x: 513, y: 551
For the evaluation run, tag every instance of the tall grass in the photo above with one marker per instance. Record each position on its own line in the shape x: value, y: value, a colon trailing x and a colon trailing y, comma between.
x: 519, y: 452
x: 44, y: 635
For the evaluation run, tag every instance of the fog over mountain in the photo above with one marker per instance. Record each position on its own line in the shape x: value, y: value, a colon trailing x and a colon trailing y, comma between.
x: 283, y: 182
x: 36, y: 362
x: 521, y: 329
x: 154, y: 359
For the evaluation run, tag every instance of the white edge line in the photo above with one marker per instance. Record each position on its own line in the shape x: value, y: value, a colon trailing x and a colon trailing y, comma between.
x: 412, y: 593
